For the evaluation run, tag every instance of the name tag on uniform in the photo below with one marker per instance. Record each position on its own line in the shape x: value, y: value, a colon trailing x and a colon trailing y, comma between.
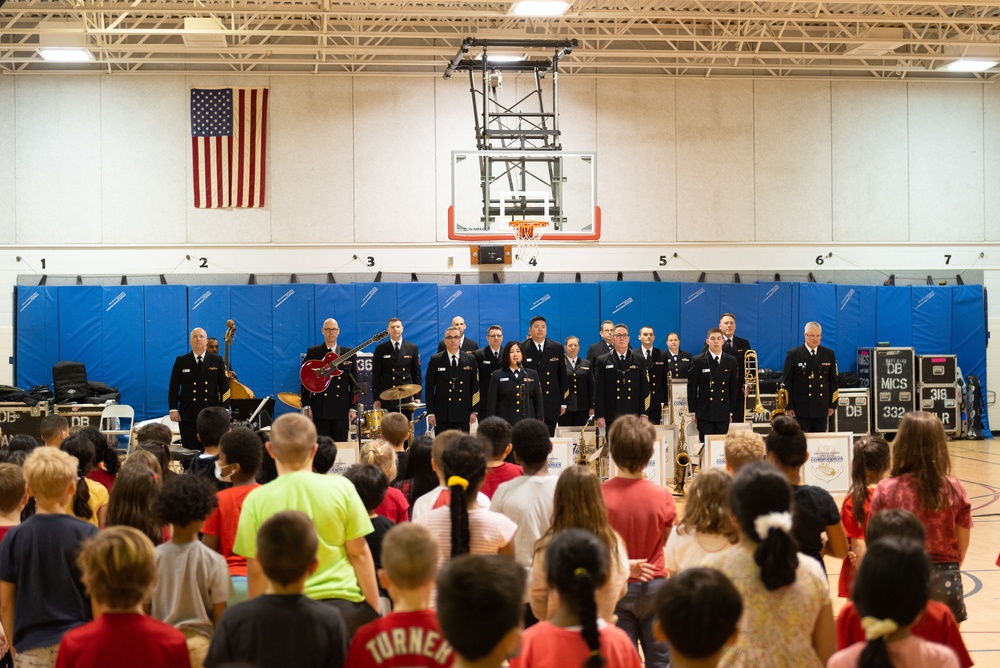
x: 485, y: 362
x: 553, y: 359
x: 407, y: 357
x: 385, y: 357
x: 609, y: 366
x: 528, y: 359
x: 706, y: 371
x: 441, y: 368
x: 825, y: 364
x: 504, y: 380
x: 185, y: 370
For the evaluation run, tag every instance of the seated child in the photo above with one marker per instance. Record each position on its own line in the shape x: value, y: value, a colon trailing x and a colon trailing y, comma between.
x: 212, y: 423
x: 697, y: 611
x: 239, y: 457
x: 371, y: 485
x: 495, y: 435
x: 282, y: 627
x: 409, y: 565
x: 937, y: 623
x: 41, y: 596
x: 891, y: 591
x: 479, y: 608
x: 193, y: 584
x: 119, y: 569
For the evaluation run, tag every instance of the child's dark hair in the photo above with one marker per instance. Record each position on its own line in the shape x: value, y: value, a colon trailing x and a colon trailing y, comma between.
x: 212, y: 423
x: 370, y: 482
x: 268, y: 469
x: 12, y: 487
x: 894, y: 523
x: 418, y: 471
x: 241, y: 446
x: 760, y: 490
x: 464, y: 470
x: 154, y: 431
x: 81, y: 448
x: 185, y: 499
x: 162, y: 453
x: 576, y: 565
x: 530, y: 439
x: 103, y: 452
x: 22, y: 443
x: 871, y: 453
x: 52, y: 426
x: 494, y: 433
x: 325, y: 457
x: 133, y: 500
x: 479, y: 602
x: 893, y: 583
x: 631, y: 442
x: 698, y: 610
x: 787, y: 442
x: 286, y: 546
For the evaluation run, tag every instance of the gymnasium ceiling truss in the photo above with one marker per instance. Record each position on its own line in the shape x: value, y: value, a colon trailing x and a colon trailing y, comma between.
x: 887, y: 39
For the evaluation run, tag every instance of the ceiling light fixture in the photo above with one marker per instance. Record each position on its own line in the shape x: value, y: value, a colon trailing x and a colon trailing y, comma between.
x: 969, y: 65
x: 63, y: 42
x: 539, y: 8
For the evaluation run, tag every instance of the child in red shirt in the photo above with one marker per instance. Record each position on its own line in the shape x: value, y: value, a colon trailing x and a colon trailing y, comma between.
x: 394, y: 507
x: 495, y: 435
x: 240, y: 455
x: 871, y: 461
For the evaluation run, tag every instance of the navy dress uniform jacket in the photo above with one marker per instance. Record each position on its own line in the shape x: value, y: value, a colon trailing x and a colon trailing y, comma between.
x: 452, y: 394
x: 811, y: 383
x: 336, y: 401
x: 391, y: 369
x: 620, y: 388
x: 192, y: 389
x: 514, y: 399
x: 550, y: 365
x: 487, y: 363
x: 580, y: 380
x: 712, y: 396
x: 657, y: 369
x: 678, y: 366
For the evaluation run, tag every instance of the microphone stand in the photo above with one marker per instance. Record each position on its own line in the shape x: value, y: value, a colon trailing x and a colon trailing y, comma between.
x: 521, y: 392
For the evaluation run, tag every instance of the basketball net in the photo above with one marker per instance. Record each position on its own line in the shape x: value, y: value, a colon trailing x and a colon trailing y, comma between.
x: 527, y: 233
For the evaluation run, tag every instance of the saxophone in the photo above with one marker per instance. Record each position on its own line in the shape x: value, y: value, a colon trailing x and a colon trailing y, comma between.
x: 780, y: 402
x: 683, y: 459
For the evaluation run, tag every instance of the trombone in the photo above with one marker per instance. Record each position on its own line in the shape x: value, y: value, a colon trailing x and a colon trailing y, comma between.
x: 752, y: 378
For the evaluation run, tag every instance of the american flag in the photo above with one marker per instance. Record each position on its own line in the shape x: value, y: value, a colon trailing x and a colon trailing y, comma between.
x: 228, y: 145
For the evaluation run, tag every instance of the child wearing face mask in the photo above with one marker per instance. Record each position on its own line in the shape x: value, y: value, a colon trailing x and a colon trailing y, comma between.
x: 213, y: 423
x: 240, y: 456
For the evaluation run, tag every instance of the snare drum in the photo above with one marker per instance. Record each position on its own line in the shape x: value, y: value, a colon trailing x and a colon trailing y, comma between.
x: 371, y: 427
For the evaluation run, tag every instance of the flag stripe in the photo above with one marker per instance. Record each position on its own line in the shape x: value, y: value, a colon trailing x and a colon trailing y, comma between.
x: 228, y: 156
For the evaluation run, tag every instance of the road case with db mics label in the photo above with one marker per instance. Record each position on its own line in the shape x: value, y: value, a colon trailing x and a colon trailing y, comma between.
x: 891, y: 374
x: 18, y: 418
x: 942, y: 400
x: 854, y: 411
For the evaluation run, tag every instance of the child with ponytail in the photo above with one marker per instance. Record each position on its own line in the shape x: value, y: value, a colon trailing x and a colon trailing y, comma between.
x: 90, y: 503
x: 890, y: 593
x: 577, y: 564
x: 871, y: 462
x: 463, y: 527
x: 787, y: 617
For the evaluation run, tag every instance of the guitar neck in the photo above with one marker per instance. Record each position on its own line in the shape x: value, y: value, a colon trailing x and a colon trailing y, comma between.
x: 353, y: 351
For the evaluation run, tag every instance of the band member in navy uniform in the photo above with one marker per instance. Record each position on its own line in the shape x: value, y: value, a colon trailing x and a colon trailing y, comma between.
x: 656, y: 368
x: 811, y: 380
x: 515, y: 392
x: 488, y: 357
x: 331, y: 410
x: 580, y: 376
x: 604, y: 346
x: 621, y: 384
x: 198, y: 380
x: 466, y: 344
x: 737, y: 347
x: 678, y: 361
x: 713, y: 387
x: 395, y: 362
x: 452, y: 386
x: 548, y: 359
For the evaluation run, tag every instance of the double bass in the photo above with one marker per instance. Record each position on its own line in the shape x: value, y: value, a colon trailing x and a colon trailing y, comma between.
x: 237, y: 390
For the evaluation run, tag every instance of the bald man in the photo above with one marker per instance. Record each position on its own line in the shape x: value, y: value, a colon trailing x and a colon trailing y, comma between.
x: 198, y: 380
x: 466, y: 345
x: 332, y: 410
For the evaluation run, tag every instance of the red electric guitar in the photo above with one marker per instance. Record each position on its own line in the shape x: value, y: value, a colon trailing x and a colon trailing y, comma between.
x: 317, y: 374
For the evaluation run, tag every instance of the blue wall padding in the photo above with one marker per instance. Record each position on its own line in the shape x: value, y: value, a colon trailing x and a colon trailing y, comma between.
x: 337, y: 301
x: 661, y: 310
x: 124, y: 344
x: 295, y: 329
x: 463, y: 300
x: 700, y: 310
x: 166, y: 337
x: 499, y: 304
x: 37, y: 345
x: 418, y: 309
x: 252, y: 353
x: 538, y: 299
x: 777, y: 305
x: 579, y: 308
x: 80, y: 327
x: 129, y: 336
x: 931, y: 308
x: 968, y: 335
x: 855, y: 324
x: 893, y: 316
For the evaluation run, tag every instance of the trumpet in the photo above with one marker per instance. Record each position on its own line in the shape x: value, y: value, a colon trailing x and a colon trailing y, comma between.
x: 780, y: 402
x: 752, y: 378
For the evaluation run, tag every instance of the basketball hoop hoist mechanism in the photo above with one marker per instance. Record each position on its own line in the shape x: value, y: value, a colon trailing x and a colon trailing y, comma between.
x: 520, y: 124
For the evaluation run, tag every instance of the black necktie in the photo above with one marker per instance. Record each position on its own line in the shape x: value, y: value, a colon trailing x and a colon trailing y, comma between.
x: 715, y: 363
x: 813, y: 353
x: 397, y: 347
x: 648, y: 353
x: 454, y: 362
x: 496, y: 357
x: 199, y: 360
x: 728, y: 346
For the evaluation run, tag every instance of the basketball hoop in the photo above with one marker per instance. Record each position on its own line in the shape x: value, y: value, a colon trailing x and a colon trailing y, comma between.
x: 527, y: 233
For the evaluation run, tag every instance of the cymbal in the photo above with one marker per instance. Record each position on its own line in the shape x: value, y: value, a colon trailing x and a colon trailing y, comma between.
x: 400, y: 392
x: 290, y: 399
x: 413, y: 405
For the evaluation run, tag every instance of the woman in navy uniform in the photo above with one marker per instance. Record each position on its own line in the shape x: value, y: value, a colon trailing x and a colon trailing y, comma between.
x: 515, y: 392
x: 580, y: 400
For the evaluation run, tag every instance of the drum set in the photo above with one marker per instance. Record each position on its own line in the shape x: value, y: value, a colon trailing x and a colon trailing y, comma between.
x: 368, y: 424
